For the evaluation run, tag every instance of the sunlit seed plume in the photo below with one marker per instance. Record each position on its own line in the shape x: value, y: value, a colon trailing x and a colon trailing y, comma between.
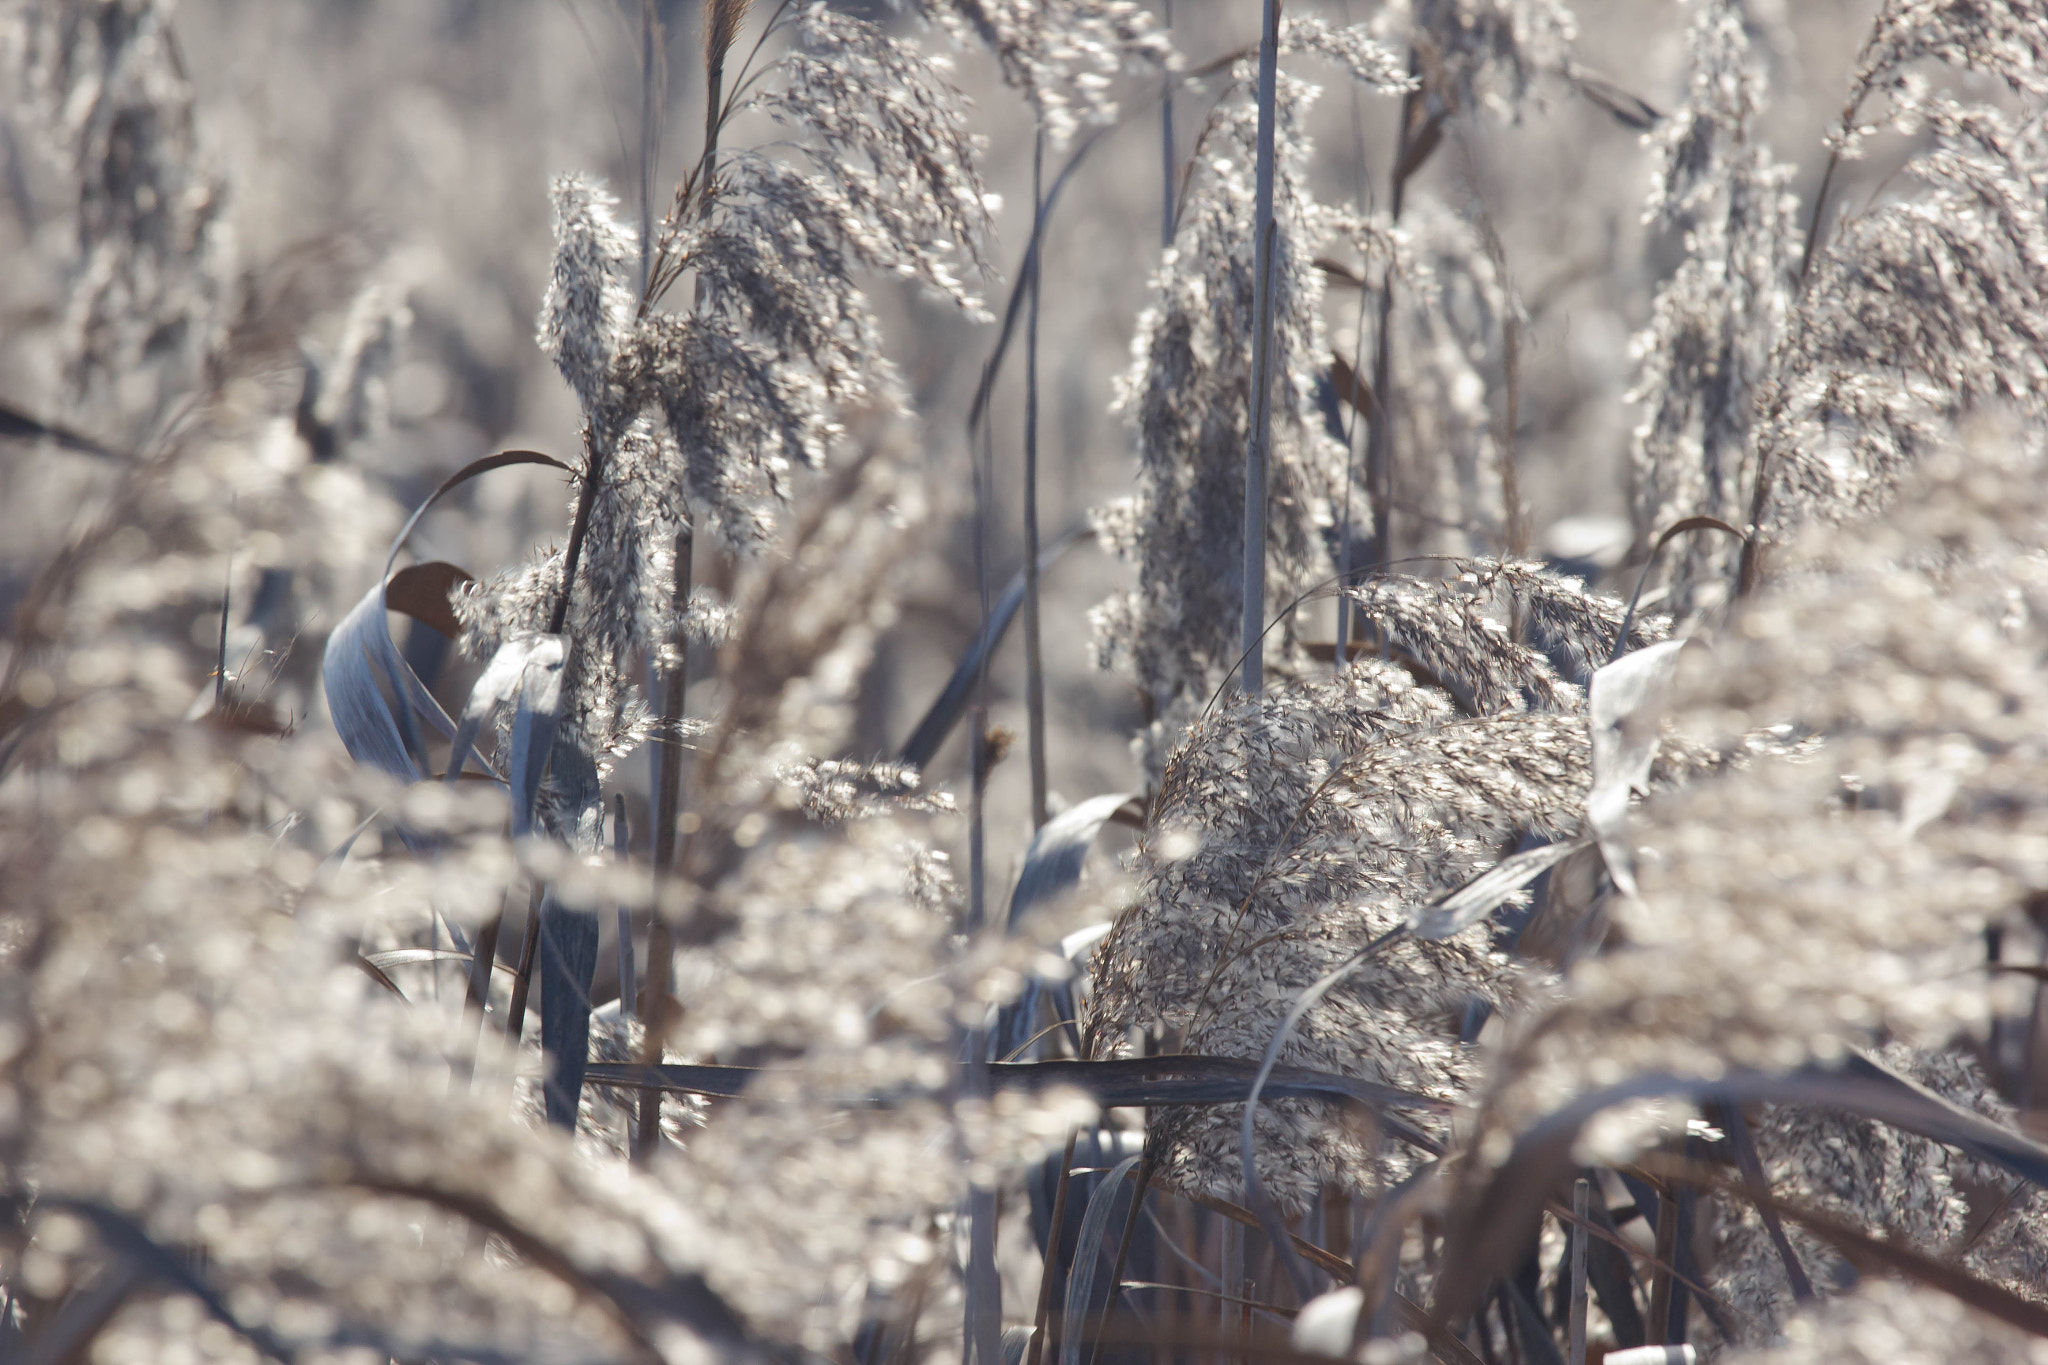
x: 1783, y: 908
x: 150, y: 278
x: 1486, y: 54
x: 1718, y: 316
x: 1062, y: 55
x: 1287, y: 833
x: 1188, y: 395
x: 589, y: 300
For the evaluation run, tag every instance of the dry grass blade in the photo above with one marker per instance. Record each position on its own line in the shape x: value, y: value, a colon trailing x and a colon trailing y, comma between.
x: 69, y: 1336
x: 1630, y: 111
x: 16, y: 425
x: 1050, y: 1267
x: 951, y: 703
x: 134, y: 1245
x: 1116, y: 1083
x: 1485, y: 893
x: 641, y: 1308
x: 1736, y: 1124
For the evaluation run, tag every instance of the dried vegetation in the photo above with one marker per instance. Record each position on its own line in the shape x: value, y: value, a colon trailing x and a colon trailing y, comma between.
x: 1528, y: 949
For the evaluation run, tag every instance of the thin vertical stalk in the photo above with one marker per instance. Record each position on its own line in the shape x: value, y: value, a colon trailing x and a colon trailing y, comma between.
x: 652, y: 81
x: 722, y: 19
x: 1379, y: 435
x: 483, y: 958
x: 1170, y: 189
x: 1341, y: 655
x: 983, y: 1317
x: 522, y: 981
x: 625, y: 925
x: 1660, y: 1277
x: 1259, y: 437
x: 1034, y: 656
x: 1230, y: 1275
x: 1050, y: 1273
x: 1576, y: 1333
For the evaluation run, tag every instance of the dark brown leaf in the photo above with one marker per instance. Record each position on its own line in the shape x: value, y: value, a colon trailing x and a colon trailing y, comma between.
x: 421, y: 591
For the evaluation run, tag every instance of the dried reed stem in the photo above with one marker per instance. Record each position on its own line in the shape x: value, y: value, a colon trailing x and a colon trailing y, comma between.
x: 1034, y: 656
x: 1576, y: 1333
x: 1379, y: 434
x: 1169, y: 174
x: 1259, y: 438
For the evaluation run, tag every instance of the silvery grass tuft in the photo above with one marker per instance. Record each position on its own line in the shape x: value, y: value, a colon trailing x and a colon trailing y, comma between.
x: 148, y: 283
x: 1710, y: 338
x: 1188, y: 394
x: 1062, y: 55
x: 707, y: 413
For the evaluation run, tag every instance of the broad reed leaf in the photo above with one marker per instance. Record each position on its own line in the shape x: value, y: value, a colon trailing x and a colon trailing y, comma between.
x: 503, y: 680
x: 1052, y: 864
x: 361, y: 659
x: 1052, y: 867
x: 568, y: 964
x: 1351, y: 386
x: 1624, y: 746
x: 1115, y: 1083
x: 533, y: 728
x: 1087, y: 1255
x: 421, y: 592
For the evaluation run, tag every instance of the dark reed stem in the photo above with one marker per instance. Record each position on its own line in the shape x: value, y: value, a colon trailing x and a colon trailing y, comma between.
x: 983, y: 1323
x: 593, y: 472
x: 1259, y: 437
x: 1169, y: 171
x: 1042, y: 1314
x: 625, y: 916
x: 1575, y: 1336
x: 1034, y: 655
x: 722, y: 22
x: 1379, y: 433
x: 668, y: 797
x: 1660, y: 1277
x: 522, y: 980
